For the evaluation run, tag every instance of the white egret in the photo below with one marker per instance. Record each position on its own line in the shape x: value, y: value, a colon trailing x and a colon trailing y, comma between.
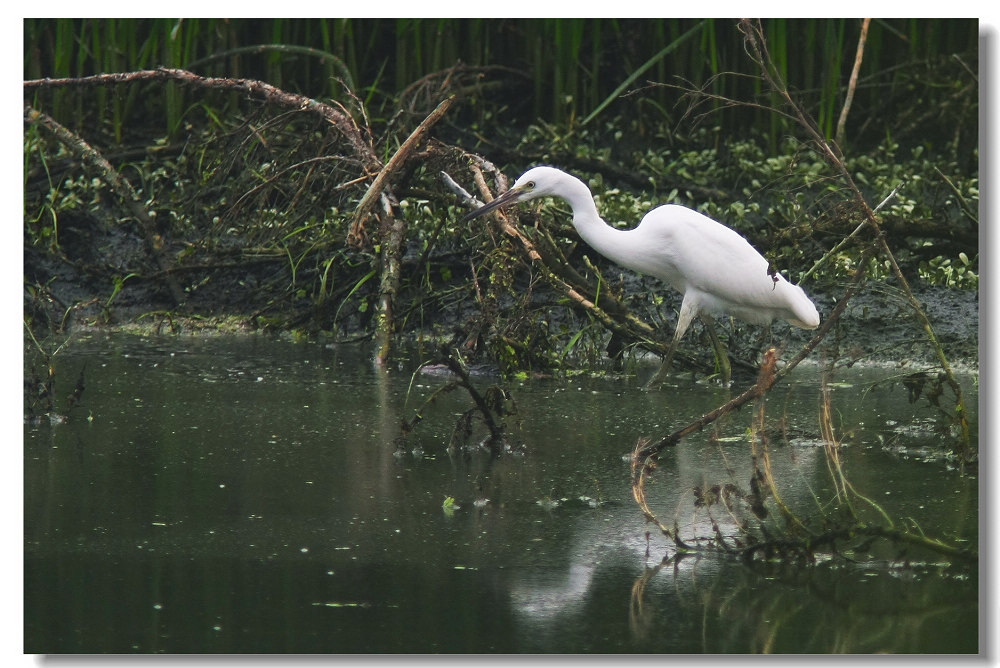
x: 715, y: 269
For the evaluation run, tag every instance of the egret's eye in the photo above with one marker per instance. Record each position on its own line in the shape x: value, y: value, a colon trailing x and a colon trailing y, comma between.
x: 530, y: 185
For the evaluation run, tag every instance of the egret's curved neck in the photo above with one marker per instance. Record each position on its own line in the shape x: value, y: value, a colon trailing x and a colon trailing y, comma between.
x: 600, y: 236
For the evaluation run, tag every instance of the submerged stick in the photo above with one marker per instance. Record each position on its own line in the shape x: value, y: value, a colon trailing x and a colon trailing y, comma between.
x: 496, y: 431
x: 646, y: 453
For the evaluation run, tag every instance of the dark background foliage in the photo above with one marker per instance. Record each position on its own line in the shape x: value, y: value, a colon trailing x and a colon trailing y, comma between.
x: 560, y: 70
x: 254, y: 200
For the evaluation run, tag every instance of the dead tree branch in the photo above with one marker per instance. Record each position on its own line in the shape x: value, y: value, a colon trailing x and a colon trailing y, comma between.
x: 853, y: 83
x: 394, y: 228
x: 256, y: 89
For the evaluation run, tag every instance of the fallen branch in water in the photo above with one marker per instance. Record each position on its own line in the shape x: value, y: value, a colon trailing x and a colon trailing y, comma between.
x: 799, y: 541
x: 486, y: 405
x: 647, y: 449
x: 807, y: 547
x: 646, y: 453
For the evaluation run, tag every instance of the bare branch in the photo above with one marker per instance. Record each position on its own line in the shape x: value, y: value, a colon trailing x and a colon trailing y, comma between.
x: 258, y: 89
x: 91, y: 156
x: 853, y: 83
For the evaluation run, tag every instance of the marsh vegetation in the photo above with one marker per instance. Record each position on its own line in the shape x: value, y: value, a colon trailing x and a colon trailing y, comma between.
x: 306, y: 180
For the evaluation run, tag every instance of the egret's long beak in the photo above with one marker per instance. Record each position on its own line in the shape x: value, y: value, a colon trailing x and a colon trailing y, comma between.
x: 507, y: 198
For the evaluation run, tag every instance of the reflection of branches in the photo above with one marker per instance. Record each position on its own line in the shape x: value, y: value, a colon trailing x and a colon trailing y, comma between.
x: 640, y: 616
x: 771, y: 607
x: 485, y: 405
x: 801, y: 541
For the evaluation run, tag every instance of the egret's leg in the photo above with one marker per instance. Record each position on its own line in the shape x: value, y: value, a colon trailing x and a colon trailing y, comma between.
x: 762, y: 341
x: 721, y: 354
x: 661, y: 374
x: 688, y: 311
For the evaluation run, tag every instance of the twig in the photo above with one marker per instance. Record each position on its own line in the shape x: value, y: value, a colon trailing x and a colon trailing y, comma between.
x: 966, y: 209
x: 843, y: 242
x: 346, y: 80
x: 852, y: 83
x: 90, y: 156
x: 276, y: 177
x: 398, y: 159
x: 464, y: 197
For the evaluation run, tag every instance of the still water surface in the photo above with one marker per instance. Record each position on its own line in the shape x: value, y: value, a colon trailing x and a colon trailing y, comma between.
x: 247, y: 495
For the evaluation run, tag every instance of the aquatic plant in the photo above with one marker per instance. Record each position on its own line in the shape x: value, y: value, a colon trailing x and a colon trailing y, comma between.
x: 844, y: 524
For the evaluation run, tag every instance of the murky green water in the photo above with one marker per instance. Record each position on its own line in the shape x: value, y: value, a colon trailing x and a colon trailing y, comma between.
x: 243, y: 495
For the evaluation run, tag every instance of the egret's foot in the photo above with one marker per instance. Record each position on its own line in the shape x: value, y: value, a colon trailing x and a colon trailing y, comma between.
x: 658, y: 378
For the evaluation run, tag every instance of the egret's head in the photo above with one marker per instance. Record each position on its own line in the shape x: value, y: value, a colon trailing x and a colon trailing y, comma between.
x: 536, y: 182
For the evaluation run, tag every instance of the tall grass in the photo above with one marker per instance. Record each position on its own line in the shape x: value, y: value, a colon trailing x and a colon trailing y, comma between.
x: 575, y: 64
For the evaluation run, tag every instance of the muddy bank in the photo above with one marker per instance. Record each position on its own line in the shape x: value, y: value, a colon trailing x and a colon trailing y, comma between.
x: 880, y: 325
x: 256, y: 295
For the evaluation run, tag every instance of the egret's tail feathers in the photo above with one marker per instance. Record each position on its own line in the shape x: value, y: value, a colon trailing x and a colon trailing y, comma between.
x: 806, y: 315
